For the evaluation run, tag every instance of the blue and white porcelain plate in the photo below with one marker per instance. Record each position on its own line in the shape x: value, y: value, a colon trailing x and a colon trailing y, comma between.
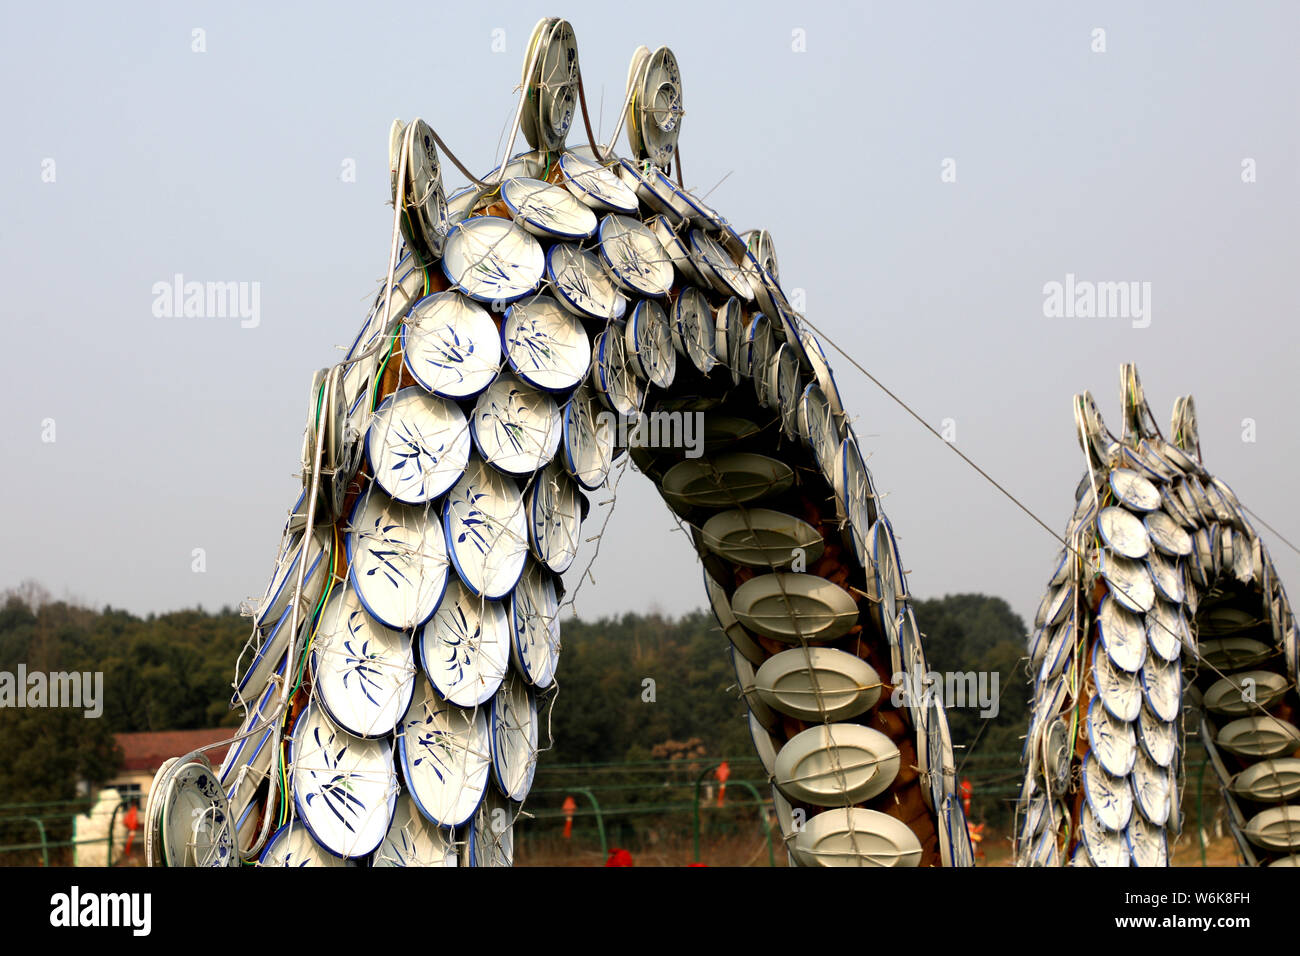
x: 1134, y: 491
x: 486, y: 529
x: 859, y: 499
x: 535, y: 626
x: 1123, y: 634
x: 820, y: 429
x: 1147, y: 843
x: 397, y: 559
x: 588, y: 440
x: 649, y: 342
x: 1120, y: 691
x: 491, y: 259
x: 728, y: 338
x: 546, y: 344
x: 693, y: 329
x: 597, y: 186
x: 285, y: 578
x: 268, y: 656
x: 582, y: 284
x: 1105, y: 846
x: 513, y: 721
x: 1110, y: 797
x: 451, y: 345
x: 654, y: 189
x: 758, y: 348
x: 516, y: 427
x: 1167, y: 576
x: 554, y: 517
x: 1123, y: 532
x: 1151, y: 789
x: 363, y: 672
x: 1113, y: 741
x: 616, y: 382
x: 344, y: 787
x: 1162, y: 687
x: 1159, y: 739
x: 676, y: 250
x: 1167, y: 631
x: 717, y: 267
x: 465, y: 649
x: 196, y: 826
x: 417, y: 445
x: 446, y: 755
x: 413, y: 840
x: 1129, y: 581
x: 491, y: 832
x: 547, y: 210
x: 784, y: 391
x: 812, y: 349
x: 293, y: 846
x: 634, y: 257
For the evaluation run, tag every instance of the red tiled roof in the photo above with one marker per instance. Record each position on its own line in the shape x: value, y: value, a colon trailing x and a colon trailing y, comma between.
x: 146, y: 752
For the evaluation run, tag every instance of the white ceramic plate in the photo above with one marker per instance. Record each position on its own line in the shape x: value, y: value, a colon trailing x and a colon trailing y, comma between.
x: 855, y: 836
x: 762, y: 538
x: 833, y: 764
x: 725, y: 481
x: 818, y: 683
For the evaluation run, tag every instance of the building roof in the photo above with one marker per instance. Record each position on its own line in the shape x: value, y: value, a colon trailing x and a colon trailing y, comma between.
x: 148, y: 751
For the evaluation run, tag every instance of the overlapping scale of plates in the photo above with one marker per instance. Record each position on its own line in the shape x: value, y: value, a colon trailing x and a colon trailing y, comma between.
x: 1164, y: 619
x: 538, y: 326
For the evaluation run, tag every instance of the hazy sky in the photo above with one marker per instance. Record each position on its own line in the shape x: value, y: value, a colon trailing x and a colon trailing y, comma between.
x: 128, y: 157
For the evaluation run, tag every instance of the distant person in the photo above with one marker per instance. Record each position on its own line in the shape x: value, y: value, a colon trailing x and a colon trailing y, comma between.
x: 132, y: 823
